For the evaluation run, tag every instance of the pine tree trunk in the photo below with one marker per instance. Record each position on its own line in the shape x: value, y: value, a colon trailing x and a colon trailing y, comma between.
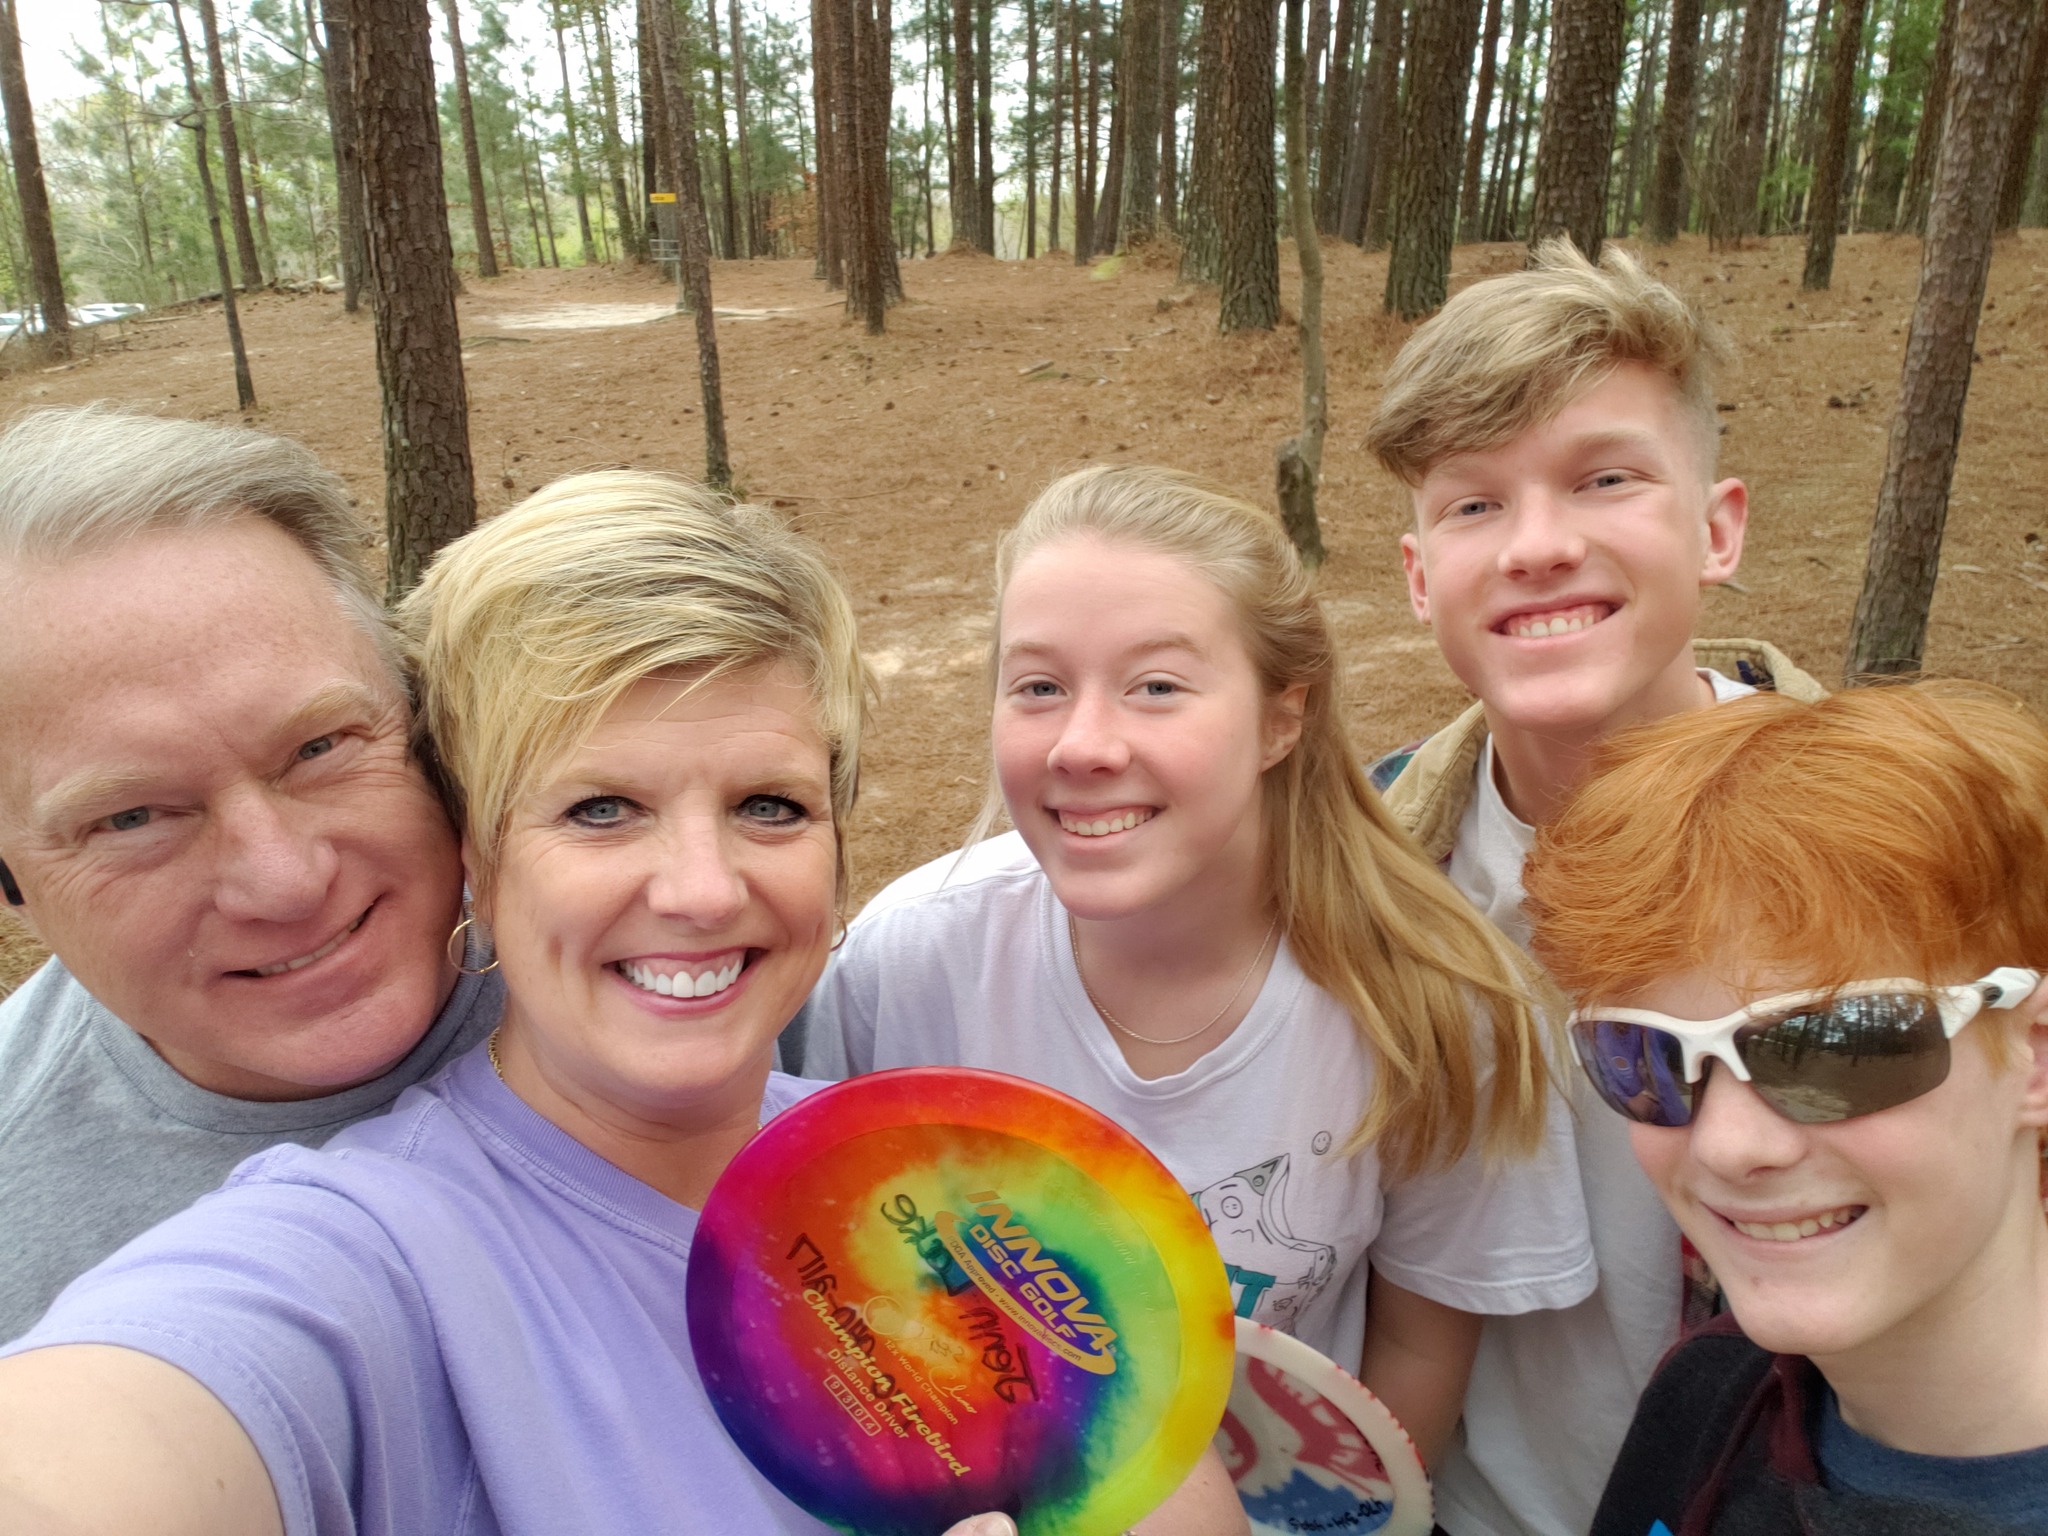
x: 985, y: 126
x: 632, y: 230
x: 730, y: 244
x: 1824, y: 205
x: 221, y: 104
x: 429, y: 491
x: 1109, y: 208
x: 245, y: 388
x: 748, y: 245
x: 1890, y: 627
x: 1088, y: 140
x: 1030, y: 130
x: 1496, y: 215
x: 2019, y: 157
x: 673, y: 54
x: 1641, y: 111
x: 1169, y: 112
x: 1927, y: 142
x: 266, y: 252
x: 1139, y: 96
x: 825, y: 91
x: 1338, y: 112
x: 1424, y: 204
x: 964, y: 194
x: 1666, y: 214
x: 1391, y: 37
x: 472, y: 160
x: 1298, y: 462
x: 1361, y: 157
x: 575, y: 143
x: 1059, y: 119
x: 1475, y: 143
x: 1575, y: 145
x: 1246, y: 220
x: 1735, y: 208
x: 1200, y: 258
x: 30, y: 190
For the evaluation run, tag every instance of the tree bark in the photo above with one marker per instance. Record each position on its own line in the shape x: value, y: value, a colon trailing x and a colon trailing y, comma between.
x: 1927, y: 142
x: 1494, y: 214
x: 1890, y: 628
x: 1383, y: 156
x: 672, y: 54
x: 1298, y: 462
x: 230, y: 150
x: 2019, y: 157
x: 245, y: 387
x: 1088, y: 140
x: 472, y: 160
x: 1109, y: 208
x: 964, y: 194
x: 1138, y: 94
x: 1200, y: 256
x: 1824, y: 205
x: 1059, y: 119
x: 1425, y: 200
x: 1030, y: 130
x: 575, y: 141
x: 429, y: 491
x: 730, y: 244
x: 1575, y: 145
x: 30, y: 190
x: 985, y: 126
x: 1246, y: 220
x: 748, y: 245
x: 1336, y: 129
x: 1475, y: 142
x: 1169, y: 112
x: 1666, y: 215
x: 1735, y: 208
x: 632, y: 229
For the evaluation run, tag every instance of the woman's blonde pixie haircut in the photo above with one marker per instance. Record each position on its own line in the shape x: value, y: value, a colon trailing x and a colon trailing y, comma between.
x: 1510, y: 352
x: 1369, y: 918
x: 524, y: 632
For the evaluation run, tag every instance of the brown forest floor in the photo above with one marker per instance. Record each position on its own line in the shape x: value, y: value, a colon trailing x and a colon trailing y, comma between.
x: 905, y: 455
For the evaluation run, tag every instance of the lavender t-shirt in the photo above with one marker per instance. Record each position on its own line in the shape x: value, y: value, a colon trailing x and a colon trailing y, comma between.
x: 455, y: 1318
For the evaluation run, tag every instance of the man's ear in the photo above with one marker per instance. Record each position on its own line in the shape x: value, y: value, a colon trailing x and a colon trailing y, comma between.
x: 1283, y: 724
x: 1418, y: 578
x: 1727, y: 523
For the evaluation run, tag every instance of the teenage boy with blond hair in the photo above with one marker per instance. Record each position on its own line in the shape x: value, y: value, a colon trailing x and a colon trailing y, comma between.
x: 1806, y: 943
x: 1556, y: 430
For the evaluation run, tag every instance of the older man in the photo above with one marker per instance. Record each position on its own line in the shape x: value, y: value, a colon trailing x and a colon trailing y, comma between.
x: 209, y: 813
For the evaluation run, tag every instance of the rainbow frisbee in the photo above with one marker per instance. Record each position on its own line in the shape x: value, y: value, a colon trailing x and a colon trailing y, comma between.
x: 1310, y: 1449
x: 927, y: 1293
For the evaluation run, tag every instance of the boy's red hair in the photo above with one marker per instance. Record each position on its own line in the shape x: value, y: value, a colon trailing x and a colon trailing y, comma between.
x: 1899, y: 830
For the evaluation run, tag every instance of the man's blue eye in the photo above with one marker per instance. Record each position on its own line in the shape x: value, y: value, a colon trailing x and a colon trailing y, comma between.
x: 1040, y: 690
x: 130, y: 819
x: 319, y: 746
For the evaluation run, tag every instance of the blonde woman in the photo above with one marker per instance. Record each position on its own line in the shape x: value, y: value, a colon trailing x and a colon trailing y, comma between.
x: 1214, y: 934
x: 645, y: 707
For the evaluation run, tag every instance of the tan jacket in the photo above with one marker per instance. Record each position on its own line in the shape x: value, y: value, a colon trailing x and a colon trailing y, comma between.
x: 1428, y: 786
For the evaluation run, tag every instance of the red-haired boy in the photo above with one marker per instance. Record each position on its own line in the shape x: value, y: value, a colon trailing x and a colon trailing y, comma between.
x: 1806, y: 943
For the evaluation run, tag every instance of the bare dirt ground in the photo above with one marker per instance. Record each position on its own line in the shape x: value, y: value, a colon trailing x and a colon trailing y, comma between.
x: 905, y: 455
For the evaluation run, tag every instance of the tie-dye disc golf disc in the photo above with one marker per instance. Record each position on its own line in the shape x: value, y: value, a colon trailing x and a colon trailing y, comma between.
x: 1310, y: 1449
x: 926, y: 1293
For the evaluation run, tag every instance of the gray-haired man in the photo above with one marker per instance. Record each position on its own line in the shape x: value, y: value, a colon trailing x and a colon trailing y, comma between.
x: 208, y: 813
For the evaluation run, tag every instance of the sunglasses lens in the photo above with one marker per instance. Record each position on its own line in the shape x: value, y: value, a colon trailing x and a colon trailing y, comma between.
x: 1855, y: 1057
x: 1637, y: 1069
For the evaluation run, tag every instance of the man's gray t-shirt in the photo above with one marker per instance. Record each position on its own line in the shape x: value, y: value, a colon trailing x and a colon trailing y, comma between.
x: 100, y: 1139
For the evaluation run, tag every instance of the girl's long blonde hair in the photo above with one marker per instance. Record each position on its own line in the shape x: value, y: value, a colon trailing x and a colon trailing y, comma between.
x: 1370, y: 919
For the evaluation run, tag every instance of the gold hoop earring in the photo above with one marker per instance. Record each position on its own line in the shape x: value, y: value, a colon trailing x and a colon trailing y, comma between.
x: 457, y: 953
x: 840, y: 918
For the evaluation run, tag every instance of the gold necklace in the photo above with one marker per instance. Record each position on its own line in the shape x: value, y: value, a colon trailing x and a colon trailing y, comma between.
x: 1074, y: 940
x: 491, y: 1046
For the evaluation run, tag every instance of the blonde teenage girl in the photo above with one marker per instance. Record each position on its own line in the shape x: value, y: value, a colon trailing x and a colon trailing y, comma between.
x: 1213, y: 933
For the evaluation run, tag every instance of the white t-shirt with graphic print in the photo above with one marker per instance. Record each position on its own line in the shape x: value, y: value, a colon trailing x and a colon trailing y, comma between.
x: 1552, y: 1393
x: 980, y: 973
